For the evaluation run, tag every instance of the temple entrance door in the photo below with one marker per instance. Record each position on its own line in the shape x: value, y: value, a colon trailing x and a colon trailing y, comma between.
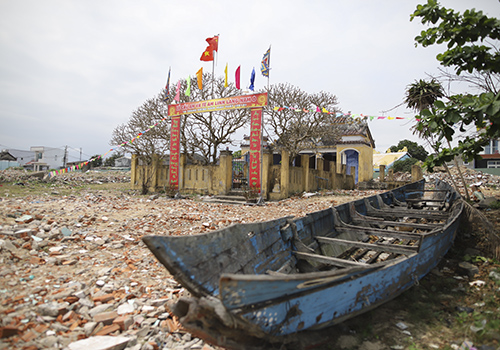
x: 352, y: 160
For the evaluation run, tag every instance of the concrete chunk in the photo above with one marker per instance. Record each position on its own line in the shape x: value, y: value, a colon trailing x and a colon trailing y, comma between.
x: 101, y: 342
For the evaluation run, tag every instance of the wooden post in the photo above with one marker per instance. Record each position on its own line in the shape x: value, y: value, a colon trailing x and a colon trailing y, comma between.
x: 226, y: 164
x: 133, y: 171
x: 182, y: 168
x: 320, y: 166
x: 154, y: 172
x: 416, y: 173
x: 304, y: 160
x: 267, y: 158
x: 390, y: 175
x: 381, y: 173
x: 285, y: 174
x: 332, y: 175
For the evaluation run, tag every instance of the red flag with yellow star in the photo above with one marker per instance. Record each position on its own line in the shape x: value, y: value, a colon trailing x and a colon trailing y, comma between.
x: 213, y: 45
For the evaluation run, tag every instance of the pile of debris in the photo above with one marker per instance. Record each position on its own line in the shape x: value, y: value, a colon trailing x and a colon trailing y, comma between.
x: 74, y: 271
x: 74, y: 268
x: 471, y: 176
x: 92, y: 177
x: 74, y: 178
x: 63, y: 282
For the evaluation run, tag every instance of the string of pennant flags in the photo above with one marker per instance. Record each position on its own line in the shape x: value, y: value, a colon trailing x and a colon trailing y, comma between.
x: 318, y: 109
x: 339, y: 114
x: 208, y: 55
x: 83, y: 164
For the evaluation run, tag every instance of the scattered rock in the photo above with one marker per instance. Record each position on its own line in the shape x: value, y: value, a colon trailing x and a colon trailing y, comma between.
x: 468, y: 268
x: 74, y: 266
x: 125, y: 308
x: 347, y: 342
x: 494, y: 275
x: 368, y: 345
x: 100, y: 343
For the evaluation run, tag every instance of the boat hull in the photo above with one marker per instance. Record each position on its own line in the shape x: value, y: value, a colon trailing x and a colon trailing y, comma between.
x: 269, y: 303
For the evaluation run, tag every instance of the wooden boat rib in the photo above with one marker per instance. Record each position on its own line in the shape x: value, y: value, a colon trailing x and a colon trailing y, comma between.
x: 283, y: 281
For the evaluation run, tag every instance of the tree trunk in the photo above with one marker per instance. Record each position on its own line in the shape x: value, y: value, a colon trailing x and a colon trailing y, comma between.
x: 461, y: 177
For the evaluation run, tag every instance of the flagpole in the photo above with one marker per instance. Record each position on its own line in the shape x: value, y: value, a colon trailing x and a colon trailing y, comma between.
x: 213, y: 77
x: 261, y: 199
x: 269, y: 74
x: 213, y: 65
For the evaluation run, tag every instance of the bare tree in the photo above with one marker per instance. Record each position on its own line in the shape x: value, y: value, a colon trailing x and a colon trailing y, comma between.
x: 297, y: 119
x: 486, y: 81
x: 145, y: 134
x: 206, y: 133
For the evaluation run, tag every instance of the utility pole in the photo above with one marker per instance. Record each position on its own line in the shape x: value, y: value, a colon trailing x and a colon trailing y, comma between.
x: 65, y: 156
x: 80, y: 154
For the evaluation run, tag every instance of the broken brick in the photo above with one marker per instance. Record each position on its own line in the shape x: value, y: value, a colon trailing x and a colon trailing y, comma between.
x: 8, y: 331
x: 106, y: 317
x: 103, y: 298
x: 124, y: 322
x: 28, y: 336
x: 108, y: 329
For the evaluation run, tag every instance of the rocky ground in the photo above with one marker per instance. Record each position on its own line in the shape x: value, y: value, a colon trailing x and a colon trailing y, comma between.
x: 75, y: 274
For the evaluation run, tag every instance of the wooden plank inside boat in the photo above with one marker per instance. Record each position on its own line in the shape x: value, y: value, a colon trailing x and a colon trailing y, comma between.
x: 409, y: 213
x: 379, y: 221
x: 328, y: 260
x: 380, y: 247
x: 377, y: 232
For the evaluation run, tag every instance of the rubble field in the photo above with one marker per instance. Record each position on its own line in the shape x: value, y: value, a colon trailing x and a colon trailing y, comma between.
x: 74, y: 273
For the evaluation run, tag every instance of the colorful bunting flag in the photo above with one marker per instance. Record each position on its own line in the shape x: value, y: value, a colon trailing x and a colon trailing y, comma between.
x: 252, y: 80
x: 188, y: 90
x: 199, y: 78
x: 225, y: 76
x: 354, y: 117
x: 237, y: 77
x: 177, y: 97
x: 266, y: 61
x: 167, y: 87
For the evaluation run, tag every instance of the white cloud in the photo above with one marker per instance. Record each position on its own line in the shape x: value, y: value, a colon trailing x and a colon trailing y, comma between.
x: 72, y: 71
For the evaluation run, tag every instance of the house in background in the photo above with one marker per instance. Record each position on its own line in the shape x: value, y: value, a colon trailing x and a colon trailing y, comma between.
x: 48, y: 158
x: 7, y: 160
x: 354, y: 148
x: 123, y: 162
x: 488, y: 161
x: 245, y: 144
x: 38, y: 158
x: 22, y: 157
x: 387, y: 159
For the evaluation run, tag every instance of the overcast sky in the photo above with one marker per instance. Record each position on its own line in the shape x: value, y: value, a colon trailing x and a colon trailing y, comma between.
x: 71, y: 71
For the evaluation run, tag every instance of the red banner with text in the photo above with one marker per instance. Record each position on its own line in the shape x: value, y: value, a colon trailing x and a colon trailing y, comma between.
x: 175, y: 137
x: 234, y: 102
x: 255, y: 147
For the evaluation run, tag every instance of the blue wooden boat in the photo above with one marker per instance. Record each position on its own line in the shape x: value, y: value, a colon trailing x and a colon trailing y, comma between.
x: 285, y: 281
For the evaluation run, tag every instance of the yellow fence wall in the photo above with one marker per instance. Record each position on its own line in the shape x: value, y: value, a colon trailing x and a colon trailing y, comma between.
x: 278, y: 181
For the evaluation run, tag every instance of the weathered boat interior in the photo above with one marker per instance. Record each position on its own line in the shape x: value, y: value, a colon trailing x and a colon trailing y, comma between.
x: 356, y: 234
x: 266, y: 282
x: 366, y: 232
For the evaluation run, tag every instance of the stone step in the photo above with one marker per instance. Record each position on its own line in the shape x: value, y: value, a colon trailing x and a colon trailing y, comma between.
x: 230, y: 197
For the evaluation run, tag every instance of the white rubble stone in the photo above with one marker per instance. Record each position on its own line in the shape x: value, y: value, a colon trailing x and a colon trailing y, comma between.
x: 125, y: 308
x: 89, y: 328
x: 98, y: 309
x: 102, y: 342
